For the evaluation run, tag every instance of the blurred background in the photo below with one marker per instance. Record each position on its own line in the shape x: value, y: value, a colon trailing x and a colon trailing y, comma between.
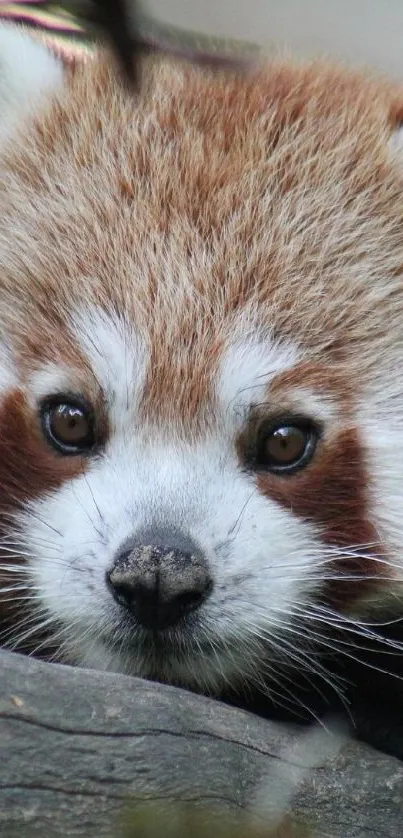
x: 359, y: 31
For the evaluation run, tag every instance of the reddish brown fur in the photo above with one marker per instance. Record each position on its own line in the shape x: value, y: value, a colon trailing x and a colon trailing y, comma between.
x: 28, y: 469
x: 332, y: 491
x: 29, y: 466
x: 198, y: 193
x: 210, y: 195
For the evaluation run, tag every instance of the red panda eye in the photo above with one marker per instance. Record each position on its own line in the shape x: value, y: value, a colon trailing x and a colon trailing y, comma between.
x: 69, y: 426
x: 286, y: 447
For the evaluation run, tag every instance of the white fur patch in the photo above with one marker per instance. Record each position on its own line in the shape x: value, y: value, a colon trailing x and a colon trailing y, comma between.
x: 8, y: 372
x: 262, y: 557
x: 396, y: 140
x: 28, y: 72
x: 118, y: 359
x: 50, y: 380
x: 249, y: 365
x: 320, y: 406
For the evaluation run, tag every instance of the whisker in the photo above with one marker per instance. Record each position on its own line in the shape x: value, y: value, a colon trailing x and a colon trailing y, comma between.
x: 101, y: 517
x: 238, y: 520
x: 17, y: 640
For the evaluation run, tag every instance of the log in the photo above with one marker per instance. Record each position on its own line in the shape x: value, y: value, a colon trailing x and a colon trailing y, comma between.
x: 76, y: 745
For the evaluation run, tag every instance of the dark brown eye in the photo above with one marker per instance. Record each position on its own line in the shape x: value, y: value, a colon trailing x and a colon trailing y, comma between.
x: 286, y: 447
x: 68, y: 426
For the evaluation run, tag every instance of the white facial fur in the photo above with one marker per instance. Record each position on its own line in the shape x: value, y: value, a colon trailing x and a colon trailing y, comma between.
x: 260, y: 555
x: 249, y: 365
x: 118, y: 360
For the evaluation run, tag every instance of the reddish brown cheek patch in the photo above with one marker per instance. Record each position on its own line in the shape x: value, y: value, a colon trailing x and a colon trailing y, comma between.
x: 28, y: 466
x: 333, y: 493
x: 28, y: 469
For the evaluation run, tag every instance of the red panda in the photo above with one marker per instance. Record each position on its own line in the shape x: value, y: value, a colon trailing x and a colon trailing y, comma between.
x: 201, y: 377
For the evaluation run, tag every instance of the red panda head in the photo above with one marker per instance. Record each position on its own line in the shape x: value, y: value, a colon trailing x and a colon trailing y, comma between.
x: 201, y: 377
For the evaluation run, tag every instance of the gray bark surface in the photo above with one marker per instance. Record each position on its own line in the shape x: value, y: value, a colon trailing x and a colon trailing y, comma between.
x: 77, y: 745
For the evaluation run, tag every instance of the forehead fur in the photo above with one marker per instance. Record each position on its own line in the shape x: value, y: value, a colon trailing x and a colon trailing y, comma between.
x: 272, y: 196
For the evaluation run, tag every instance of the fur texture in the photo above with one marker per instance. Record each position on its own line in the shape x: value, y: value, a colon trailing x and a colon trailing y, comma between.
x: 221, y: 252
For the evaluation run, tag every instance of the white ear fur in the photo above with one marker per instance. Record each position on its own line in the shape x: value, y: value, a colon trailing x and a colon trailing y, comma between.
x: 28, y: 72
x: 8, y: 372
x: 396, y: 141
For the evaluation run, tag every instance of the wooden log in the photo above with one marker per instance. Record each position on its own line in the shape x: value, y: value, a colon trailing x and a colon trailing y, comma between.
x: 77, y: 745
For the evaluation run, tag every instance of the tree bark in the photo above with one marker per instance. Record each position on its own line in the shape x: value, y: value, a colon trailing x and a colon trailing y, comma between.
x: 77, y: 745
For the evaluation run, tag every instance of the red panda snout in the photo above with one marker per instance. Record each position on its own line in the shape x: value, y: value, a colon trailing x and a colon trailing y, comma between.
x: 160, y: 580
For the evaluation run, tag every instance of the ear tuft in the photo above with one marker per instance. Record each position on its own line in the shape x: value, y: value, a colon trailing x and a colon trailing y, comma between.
x: 28, y: 71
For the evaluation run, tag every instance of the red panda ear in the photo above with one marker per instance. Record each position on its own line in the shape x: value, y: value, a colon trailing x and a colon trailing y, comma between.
x: 28, y: 74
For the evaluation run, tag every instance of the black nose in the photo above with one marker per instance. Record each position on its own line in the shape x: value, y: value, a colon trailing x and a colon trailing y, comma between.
x: 160, y: 579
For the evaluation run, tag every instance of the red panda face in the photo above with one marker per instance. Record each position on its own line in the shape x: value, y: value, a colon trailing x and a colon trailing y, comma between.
x: 200, y: 366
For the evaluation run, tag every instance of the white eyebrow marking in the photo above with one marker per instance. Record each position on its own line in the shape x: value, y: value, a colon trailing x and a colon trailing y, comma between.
x: 50, y: 379
x: 249, y: 365
x: 118, y: 358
